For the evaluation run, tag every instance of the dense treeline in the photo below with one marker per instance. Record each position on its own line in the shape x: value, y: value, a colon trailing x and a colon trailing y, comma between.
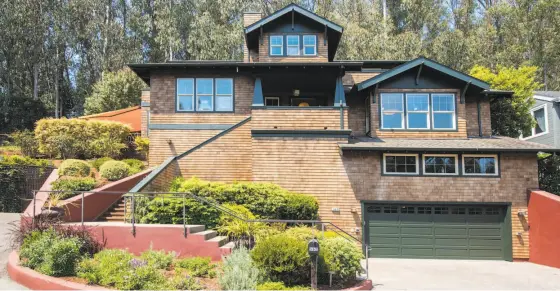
x: 52, y: 52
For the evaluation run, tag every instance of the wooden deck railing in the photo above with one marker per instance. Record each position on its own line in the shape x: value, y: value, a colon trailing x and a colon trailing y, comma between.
x: 300, y: 118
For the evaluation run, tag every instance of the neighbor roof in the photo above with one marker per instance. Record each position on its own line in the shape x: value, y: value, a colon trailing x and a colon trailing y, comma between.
x: 130, y: 116
x: 426, y: 62
x: 483, y: 144
x: 551, y: 96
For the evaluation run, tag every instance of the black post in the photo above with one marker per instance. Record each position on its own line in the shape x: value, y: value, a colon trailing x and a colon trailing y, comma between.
x: 313, y: 250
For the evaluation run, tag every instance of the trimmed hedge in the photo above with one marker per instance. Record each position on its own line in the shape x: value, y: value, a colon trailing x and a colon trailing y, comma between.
x: 68, y: 138
x: 136, y: 166
x: 15, y: 160
x: 97, y: 163
x: 71, y: 184
x: 74, y: 168
x: 114, y: 170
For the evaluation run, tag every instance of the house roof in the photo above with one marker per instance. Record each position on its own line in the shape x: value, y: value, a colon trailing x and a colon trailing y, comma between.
x: 482, y: 144
x: 550, y: 96
x: 424, y: 62
x: 130, y: 116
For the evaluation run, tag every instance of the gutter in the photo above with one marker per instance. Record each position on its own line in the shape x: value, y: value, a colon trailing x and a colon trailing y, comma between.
x: 346, y: 147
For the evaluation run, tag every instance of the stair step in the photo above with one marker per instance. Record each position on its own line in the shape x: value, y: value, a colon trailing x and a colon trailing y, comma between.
x: 229, y: 245
x: 196, y: 228
x: 208, y: 234
x: 221, y: 240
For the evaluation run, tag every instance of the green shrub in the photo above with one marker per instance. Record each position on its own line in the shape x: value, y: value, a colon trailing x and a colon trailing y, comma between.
x: 197, y: 266
x: 283, y: 258
x: 50, y: 254
x: 74, y: 168
x: 142, y: 145
x: 68, y: 138
x: 114, y: 170
x: 170, y: 211
x: 264, y: 200
x: 307, y: 233
x: 15, y: 160
x: 97, y: 163
x: 158, y: 259
x: 239, y: 271
x: 180, y: 282
x: 341, y: 257
x: 136, y: 166
x: 71, y: 184
x: 26, y: 141
x: 279, y: 286
x: 237, y: 229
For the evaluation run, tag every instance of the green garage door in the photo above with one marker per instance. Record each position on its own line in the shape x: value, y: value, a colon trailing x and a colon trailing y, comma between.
x: 437, y: 231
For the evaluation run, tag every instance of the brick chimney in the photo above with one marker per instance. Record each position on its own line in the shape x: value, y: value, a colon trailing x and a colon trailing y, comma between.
x: 248, y: 19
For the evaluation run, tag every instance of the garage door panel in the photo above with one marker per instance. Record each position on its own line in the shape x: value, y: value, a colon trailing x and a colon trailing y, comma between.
x: 436, y: 231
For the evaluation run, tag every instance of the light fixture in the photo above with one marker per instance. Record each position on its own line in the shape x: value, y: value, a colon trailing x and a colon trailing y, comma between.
x: 522, y: 213
x: 296, y: 92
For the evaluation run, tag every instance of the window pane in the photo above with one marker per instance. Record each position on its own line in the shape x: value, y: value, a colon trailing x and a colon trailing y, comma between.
x: 185, y: 103
x: 224, y: 103
x: 443, y: 102
x: 540, y: 119
x: 292, y: 51
x: 400, y: 164
x: 271, y: 102
x: 418, y: 120
x: 439, y: 165
x: 416, y: 102
x: 292, y: 40
x: 204, y: 103
x: 391, y: 102
x: 309, y: 50
x: 185, y: 86
x: 392, y: 120
x: 276, y: 40
x: 309, y: 40
x: 480, y: 165
x: 224, y: 86
x: 276, y: 50
x: 204, y: 86
x: 443, y: 120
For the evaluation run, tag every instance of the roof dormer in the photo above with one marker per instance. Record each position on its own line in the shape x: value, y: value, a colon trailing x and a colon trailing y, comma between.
x: 291, y: 34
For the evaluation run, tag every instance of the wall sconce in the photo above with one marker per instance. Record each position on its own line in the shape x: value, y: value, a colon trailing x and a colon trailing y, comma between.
x: 335, y: 209
x: 169, y: 141
x: 296, y: 92
x: 357, y: 230
x: 354, y: 210
x: 522, y: 213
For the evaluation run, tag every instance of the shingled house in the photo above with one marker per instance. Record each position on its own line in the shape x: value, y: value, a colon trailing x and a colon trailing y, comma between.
x: 397, y: 152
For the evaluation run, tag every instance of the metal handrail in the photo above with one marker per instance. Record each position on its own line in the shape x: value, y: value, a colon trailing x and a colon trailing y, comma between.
x: 214, y: 204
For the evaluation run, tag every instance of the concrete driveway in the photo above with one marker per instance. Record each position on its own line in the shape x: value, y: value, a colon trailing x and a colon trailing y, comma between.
x: 403, y: 274
x: 5, y: 225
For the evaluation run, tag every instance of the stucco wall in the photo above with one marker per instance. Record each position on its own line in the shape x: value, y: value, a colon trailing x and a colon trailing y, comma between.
x: 544, y: 209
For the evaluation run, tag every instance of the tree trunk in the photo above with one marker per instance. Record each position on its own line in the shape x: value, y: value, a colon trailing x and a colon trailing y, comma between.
x: 35, y: 82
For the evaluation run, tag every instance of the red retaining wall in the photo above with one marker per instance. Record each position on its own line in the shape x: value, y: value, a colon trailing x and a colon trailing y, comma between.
x: 544, y: 230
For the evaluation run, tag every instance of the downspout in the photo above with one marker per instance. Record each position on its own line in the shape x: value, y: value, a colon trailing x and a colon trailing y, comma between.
x: 479, y: 117
x: 341, y: 116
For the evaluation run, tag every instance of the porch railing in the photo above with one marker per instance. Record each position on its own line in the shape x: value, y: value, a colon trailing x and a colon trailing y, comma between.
x: 300, y: 118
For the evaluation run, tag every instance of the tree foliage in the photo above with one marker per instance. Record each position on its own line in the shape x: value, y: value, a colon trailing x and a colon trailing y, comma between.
x: 116, y: 90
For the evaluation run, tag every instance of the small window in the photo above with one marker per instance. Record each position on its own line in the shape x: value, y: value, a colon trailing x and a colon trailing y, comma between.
x: 390, y: 209
x: 292, y: 45
x: 402, y: 164
x: 540, y: 115
x: 424, y: 210
x: 492, y: 211
x: 441, y: 164
x: 458, y: 210
x: 407, y: 209
x: 475, y: 211
x: 392, y: 111
x: 374, y: 209
x: 224, y: 94
x: 272, y: 101
x: 276, y: 45
x: 309, y: 45
x: 441, y: 210
x: 204, y: 94
x: 486, y: 165
x: 417, y: 111
x: 443, y: 111
x: 185, y: 94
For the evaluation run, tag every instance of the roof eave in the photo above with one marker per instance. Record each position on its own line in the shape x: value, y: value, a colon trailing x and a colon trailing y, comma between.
x: 517, y: 150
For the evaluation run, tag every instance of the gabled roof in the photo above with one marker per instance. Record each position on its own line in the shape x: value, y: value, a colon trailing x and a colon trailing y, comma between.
x: 425, y: 62
x: 550, y: 96
x: 298, y: 9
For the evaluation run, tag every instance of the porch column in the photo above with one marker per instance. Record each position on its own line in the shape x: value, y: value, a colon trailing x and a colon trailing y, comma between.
x: 258, y: 99
x: 339, y: 98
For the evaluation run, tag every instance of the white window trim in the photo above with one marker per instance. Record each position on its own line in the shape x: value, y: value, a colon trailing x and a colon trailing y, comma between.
x: 271, y: 98
x: 454, y: 112
x: 400, y: 155
x: 281, y: 45
x: 440, y: 155
x: 413, y: 112
x: 533, y: 134
x: 179, y: 95
x: 497, y: 167
x: 216, y: 95
x: 204, y: 95
x: 309, y: 45
x: 392, y: 111
x: 293, y: 45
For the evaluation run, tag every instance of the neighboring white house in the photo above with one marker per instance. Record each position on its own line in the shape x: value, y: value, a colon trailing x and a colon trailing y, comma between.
x: 546, y: 112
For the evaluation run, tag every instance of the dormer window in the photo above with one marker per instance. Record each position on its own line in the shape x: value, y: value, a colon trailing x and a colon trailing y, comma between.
x: 292, y: 48
x: 276, y: 45
x: 309, y: 45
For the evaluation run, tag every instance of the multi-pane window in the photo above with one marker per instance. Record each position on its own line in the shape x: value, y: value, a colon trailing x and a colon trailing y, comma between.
x: 224, y: 94
x: 309, y: 45
x: 392, y: 111
x: 204, y: 94
x: 406, y: 164
x: 292, y: 45
x: 185, y: 94
x: 441, y: 164
x: 417, y: 111
x: 480, y: 165
x: 443, y: 111
x: 541, y: 121
x: 276, y: 45
x: 272, y: 101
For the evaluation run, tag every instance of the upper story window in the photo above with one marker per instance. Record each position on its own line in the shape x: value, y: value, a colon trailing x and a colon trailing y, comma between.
x: 309, y: 45
x: 292, y: 45
x: 540, y: 115
x: 440, y: 164
x: 423, y: 111
x: 204, y: 94
x: 272, y: 101
x: 400, y: 164
x: 276, y: 45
